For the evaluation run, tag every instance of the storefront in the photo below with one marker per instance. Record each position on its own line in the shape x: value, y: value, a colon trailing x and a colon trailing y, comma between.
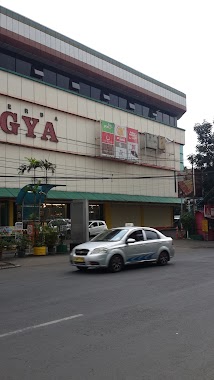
x: 110, y: 131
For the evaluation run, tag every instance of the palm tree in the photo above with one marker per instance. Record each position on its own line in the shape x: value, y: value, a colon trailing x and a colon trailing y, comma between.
x: 47, y: 166
x: 33, y: 164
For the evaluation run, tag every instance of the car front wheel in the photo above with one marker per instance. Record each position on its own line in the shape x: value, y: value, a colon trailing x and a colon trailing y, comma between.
x: 116, y: 264
x: 163, y: 258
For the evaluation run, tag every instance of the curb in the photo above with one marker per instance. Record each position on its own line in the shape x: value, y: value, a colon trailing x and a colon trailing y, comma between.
x: 8, y: 265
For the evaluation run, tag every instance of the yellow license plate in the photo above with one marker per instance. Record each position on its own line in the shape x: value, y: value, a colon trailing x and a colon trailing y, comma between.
x: 79, y: 260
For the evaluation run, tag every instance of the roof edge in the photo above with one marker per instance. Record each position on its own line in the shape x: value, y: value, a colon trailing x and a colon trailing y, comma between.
x: 77, y: 44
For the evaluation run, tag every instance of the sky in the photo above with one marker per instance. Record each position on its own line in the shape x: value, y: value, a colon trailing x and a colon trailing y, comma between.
x: 168, y: 40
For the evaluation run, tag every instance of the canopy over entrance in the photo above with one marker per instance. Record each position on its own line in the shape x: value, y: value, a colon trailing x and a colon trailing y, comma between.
x: 33, y: 194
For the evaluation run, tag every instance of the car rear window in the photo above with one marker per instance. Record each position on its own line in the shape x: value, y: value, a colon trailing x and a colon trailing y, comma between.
x: 151, y: 235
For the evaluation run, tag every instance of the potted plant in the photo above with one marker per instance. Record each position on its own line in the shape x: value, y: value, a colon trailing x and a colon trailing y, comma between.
x: 51, y: 239
x: 61, y: 247
x: 22, y: 243
x: 39, y: 247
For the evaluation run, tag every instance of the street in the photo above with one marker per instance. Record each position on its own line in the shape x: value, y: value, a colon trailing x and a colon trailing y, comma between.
x: 147, y: 322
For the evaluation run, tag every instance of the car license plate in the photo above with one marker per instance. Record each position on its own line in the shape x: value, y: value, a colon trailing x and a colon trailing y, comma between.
x: 79, y: 260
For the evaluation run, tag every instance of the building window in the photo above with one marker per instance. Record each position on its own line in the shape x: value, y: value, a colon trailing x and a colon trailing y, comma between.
x: 165, y: 118
x: 75, y: 86
x: 123, y: 103
x: 63, y: 81
x: 138, y: 109
x: 131, y: 106
x: 113, y: 100
x: 23, y: 67
x: 145, y: 111
x: 7, y: 62
x: 152, y: 114
x: 50, y: 77
x: 105, y: 97
x: 159, y: 117
x: 37, y: 73
x: 85, y: 89
x: 95, y: 93
x: 172, y: 121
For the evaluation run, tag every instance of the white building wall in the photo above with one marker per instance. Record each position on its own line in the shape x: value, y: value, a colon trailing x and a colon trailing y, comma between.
x: 76, y: 152
x: 83, y: 56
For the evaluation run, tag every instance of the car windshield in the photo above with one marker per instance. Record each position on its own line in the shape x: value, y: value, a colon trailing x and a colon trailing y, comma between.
x: 110, y: 235
x: 58, y: 222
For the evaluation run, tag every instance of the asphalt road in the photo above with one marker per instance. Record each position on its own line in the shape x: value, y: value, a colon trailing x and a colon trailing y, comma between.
x: 146, y: 322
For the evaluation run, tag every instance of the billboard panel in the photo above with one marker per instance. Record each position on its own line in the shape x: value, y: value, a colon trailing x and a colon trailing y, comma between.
x: 107, y: 138
x: 132, y: 137
x: 120, y: 142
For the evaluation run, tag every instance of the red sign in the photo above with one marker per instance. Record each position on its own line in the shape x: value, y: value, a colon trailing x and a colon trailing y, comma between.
x: 107, y: 138
x: 9, y: 125
x: 209, y: 211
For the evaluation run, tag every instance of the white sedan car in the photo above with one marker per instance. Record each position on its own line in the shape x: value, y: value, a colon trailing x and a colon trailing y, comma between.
x: 95, y: 227
x: 121, y: 246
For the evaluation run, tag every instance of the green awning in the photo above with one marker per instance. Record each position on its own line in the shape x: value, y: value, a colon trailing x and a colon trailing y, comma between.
x: 69, y: 195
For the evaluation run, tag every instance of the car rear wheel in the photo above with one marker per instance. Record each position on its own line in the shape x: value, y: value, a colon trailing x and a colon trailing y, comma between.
x: 116, y: 264
x: 82, y: 269
x: 163, y: 258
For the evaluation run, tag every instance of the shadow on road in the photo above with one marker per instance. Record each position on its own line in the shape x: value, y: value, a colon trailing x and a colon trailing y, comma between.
x: 133, y: 267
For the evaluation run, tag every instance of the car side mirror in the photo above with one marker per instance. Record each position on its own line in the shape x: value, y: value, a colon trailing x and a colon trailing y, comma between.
x: 130, y: 241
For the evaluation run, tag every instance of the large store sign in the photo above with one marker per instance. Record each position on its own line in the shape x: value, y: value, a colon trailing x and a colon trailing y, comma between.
x: 118, y: 141
x: 9, y: 124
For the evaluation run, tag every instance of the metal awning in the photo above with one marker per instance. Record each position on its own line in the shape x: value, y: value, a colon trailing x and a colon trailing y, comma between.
x: 69, y: 195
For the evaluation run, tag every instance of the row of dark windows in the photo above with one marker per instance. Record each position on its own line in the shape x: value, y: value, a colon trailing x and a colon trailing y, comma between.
x: 59, y: 79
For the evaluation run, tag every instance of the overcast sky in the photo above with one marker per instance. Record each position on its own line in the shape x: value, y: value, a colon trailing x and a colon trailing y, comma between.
x: 171, y: 41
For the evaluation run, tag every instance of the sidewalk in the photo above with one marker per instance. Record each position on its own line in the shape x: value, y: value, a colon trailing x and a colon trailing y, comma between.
x: 9, y: 261
x: 191, y: 244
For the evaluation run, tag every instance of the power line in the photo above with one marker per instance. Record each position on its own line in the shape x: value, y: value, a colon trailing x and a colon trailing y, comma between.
x: 111, y: 177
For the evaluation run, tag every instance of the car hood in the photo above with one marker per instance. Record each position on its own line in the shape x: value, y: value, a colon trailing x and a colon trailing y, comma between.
x: 90, y: 245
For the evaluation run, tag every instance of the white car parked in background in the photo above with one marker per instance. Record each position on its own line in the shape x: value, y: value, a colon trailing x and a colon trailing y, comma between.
x: 95, y: 227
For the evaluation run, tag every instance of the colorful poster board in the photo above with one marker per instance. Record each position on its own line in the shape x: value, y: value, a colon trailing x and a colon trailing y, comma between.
x: 120, y: 142
x: 132, y: 140
x: 107, y: 139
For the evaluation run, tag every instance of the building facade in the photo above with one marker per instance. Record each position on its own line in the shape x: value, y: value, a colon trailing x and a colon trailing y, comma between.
x: 111, y: 130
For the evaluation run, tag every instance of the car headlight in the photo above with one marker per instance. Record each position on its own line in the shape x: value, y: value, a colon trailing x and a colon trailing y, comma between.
x: 99, y: 250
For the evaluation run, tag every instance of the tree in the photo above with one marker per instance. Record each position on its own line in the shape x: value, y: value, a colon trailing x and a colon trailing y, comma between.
x: 188, y: 222
x: 47, y: 166
x: 203, y: 159
x: 33, y: 164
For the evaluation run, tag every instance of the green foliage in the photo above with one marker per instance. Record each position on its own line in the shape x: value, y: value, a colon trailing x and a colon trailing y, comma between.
x: 47, y: 166
x: 188, y: 222
x: 6, y: 241
x: 34, y: 164
x: 203, y: 160
x: 51, y: 236
x: 23, y: 242
x: 39, y: 240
